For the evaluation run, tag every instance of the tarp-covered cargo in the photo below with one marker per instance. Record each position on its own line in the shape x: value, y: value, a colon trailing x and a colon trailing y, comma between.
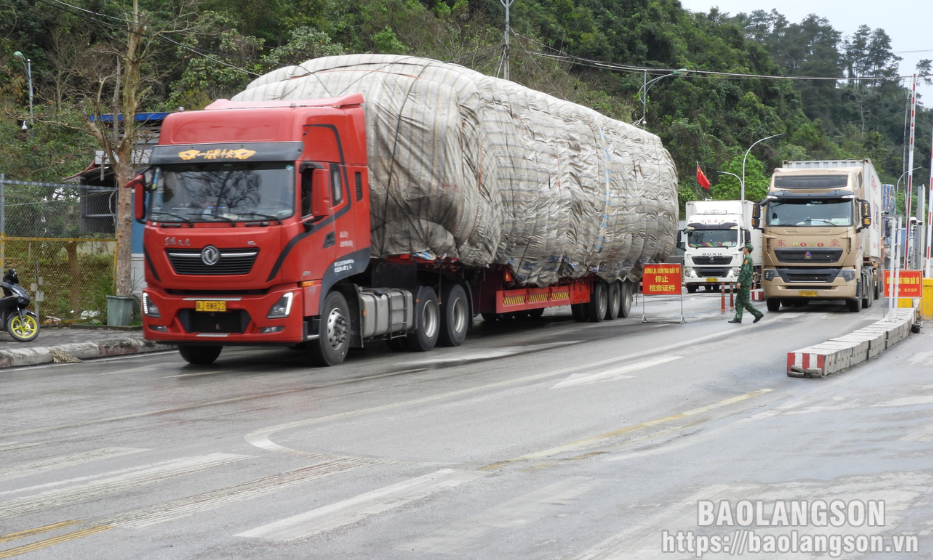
x: 471, y: 167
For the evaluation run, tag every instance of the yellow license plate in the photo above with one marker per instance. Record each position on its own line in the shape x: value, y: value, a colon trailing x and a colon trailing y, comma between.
x: 712, y: 279
x: 210, y: 306
x: 806, y: 293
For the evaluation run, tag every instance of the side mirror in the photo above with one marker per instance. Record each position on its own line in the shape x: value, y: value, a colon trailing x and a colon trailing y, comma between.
x: 756, y: 216
x: 138, y: 184
x: 320, y: 194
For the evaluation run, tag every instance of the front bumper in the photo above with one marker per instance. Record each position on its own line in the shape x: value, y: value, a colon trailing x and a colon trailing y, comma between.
x: 243, y: 321
x: 838, y: 289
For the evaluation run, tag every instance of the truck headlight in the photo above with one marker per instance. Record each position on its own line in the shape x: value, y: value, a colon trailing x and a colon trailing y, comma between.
x: 281, y: 308
x: 149, y: 308
x: 735, y: 271
x: 688, y: 271
x: 847, y: 275
x: 770, y: 274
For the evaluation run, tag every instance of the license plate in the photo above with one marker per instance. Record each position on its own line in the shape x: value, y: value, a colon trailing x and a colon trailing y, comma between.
x: 712, y: 280
x: 806, y: 293
x: 210, y: 306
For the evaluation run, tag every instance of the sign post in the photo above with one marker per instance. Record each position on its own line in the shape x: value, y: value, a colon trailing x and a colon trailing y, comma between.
x: 662, y: 279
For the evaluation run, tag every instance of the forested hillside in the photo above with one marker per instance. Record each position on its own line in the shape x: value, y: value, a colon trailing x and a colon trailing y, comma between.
x: 740, y: 77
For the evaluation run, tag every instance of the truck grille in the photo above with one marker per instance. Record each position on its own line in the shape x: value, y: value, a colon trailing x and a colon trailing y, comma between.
x: 231, y: 261
x: 220, y: 322
x: 808, y: 255
x: 709, y: 271
x: 790, y: 275
x: 703, y: 259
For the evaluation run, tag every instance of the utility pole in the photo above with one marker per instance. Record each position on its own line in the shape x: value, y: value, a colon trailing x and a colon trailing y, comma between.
x: 910, y: 168
x: 507, y: 5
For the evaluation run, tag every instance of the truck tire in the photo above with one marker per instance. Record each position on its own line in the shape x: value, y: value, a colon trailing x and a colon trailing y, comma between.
x: 854, y: 305
x: 535, y: 314
x: 455, y: 316
x: 578, y: 310
x: 773, y: 304
x: 330, y: 348
x: 599, y: 302
x: 199, y: 355
x: 625, y: 305
x: 692, y: 288
x: 427, y: 322
x: 614, y: 301
x: 867, y: 300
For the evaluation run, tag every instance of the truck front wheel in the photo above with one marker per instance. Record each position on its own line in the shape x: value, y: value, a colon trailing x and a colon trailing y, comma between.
x: 773, y: 304
x: 455, y: 316
x: 427, y: 322
x: 330, y: 348
x: 854, y: 305
x: 692, y: 288
x: 199, y: 355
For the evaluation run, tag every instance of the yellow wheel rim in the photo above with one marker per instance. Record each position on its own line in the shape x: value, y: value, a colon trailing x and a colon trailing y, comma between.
x: 25, y: 327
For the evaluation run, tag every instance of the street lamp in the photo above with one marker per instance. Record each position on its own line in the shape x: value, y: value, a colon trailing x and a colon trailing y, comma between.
x: 646, y: 85
x: 27, y: 64
x: 746, y: 155
x: 741, y: 181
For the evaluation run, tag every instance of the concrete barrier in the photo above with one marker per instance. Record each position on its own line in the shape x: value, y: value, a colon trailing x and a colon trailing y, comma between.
x: 78, y: 351
x: 837, y: 354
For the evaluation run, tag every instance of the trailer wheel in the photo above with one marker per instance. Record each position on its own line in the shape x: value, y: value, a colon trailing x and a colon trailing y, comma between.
x: 455, y: 316
x: 578, y: 310
x: 536, y: 313
x: 692, y: 288
x: 330, y: 348
x: 427, y: 322
x: 625, y: 306
x: 773, y: 304
x: 869, y: 298
x: 599, y: 302
x: 614, y: 300
x: 199, y: 355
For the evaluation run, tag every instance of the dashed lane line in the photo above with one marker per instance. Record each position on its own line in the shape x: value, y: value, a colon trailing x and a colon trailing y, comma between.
x: 55, y: 463
x: 360, y: 507
x: 52, y: 499
x: 616, y: 373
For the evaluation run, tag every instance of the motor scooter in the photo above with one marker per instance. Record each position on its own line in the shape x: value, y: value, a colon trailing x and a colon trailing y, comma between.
x: 22, y: 325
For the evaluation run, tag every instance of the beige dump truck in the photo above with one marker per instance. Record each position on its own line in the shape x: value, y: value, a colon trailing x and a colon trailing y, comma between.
x: 821, y: 234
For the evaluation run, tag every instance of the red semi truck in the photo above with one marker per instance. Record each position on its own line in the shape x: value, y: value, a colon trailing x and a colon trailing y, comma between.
x: 258, y: 231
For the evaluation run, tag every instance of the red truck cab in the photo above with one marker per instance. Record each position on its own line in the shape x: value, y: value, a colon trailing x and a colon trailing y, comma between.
x: 254, y: 211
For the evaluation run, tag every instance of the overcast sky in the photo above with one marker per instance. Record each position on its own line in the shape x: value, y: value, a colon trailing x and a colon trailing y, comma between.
x: 908, y: 23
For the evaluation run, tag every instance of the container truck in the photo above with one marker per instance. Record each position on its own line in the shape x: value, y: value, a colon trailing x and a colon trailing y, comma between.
x: 821, y: 225
x: 372, y: 197
x: 715, y: 234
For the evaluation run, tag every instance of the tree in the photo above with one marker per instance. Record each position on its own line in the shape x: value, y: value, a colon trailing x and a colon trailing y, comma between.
x: 120, y: 90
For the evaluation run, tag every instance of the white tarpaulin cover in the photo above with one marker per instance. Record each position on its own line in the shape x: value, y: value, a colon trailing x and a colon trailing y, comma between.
x: 467, y: 166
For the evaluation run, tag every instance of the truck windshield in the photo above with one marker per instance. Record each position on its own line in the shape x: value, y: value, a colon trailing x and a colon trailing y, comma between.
x: 712, y: 237
x: 810, y: 213
x: 228, y: 192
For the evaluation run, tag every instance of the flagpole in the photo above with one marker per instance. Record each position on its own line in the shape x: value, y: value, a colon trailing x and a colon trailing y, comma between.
x: 910, y: 167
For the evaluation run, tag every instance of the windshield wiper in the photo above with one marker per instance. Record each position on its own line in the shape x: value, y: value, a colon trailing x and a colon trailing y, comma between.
x: 180, y: 218
x: 266, y: 216
x: 218, y: 216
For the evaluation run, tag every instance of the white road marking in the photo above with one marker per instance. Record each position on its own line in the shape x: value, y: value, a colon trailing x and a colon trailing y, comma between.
x: 260, y: 438
x: 184, y: 507
x: 55, y: 463
x: 131, y: 370
x: 906, y: 401
x: 922, y: 358
x: 360, y: 507
x: 458, y: 537
x: 612, y: 374
x: 75, y: 494
x: 491, y: 353
x: 13, y: 446
x: 198, y: 374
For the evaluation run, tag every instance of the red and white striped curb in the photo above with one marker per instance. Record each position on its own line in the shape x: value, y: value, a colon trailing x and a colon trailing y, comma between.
x: 839, y: 353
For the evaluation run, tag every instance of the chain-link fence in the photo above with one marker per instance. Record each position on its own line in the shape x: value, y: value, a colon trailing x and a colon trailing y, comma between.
x: 60, y: 239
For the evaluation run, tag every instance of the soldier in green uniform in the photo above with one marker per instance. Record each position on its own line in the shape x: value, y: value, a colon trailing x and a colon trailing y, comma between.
x: 744, y: 285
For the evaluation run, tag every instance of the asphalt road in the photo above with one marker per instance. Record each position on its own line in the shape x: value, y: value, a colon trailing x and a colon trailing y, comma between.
x: 545, y: 439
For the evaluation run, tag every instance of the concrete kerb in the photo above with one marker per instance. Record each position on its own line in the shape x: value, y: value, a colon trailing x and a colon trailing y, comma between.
x: 842, y: 352
x: 79, y: 351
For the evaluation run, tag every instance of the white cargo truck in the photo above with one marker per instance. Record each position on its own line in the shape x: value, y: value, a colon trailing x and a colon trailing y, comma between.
x: 713, y: 240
